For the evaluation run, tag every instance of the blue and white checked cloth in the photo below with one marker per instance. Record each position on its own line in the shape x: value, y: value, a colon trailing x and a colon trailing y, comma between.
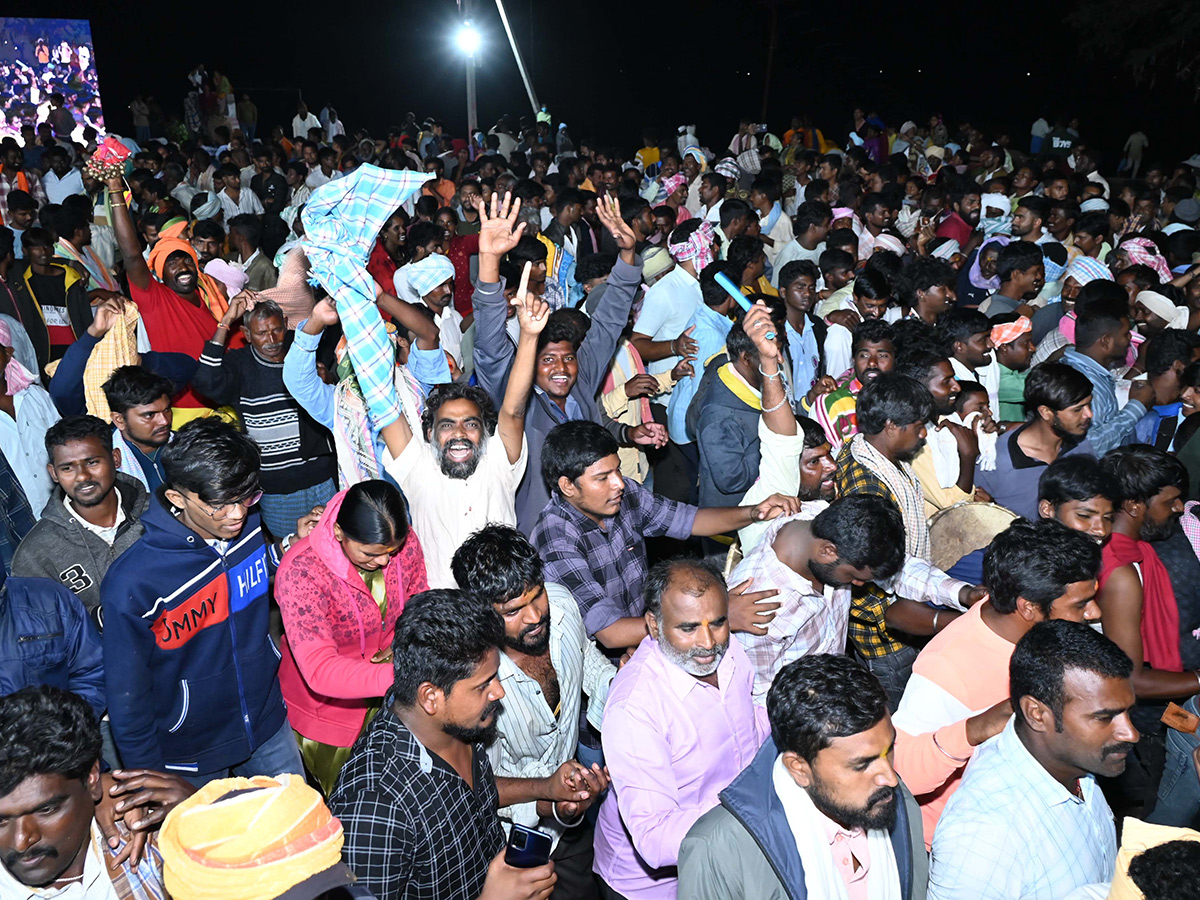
x: 342, y: 220
x: 428, y: 273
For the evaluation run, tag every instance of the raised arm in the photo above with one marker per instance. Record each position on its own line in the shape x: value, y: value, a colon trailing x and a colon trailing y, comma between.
x: 127, y: 240
x: 498, y: 234
x: 532, y: 313
x: 410, y: 317
x: 777, y: 412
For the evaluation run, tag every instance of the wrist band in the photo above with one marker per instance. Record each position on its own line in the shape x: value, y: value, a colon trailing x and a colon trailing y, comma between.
x: 951, y: 756
x: 554, y: 812
x: 775, y: 374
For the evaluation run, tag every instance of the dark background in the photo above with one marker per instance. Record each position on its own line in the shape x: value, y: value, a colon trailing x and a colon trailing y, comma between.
x: 610, y: 68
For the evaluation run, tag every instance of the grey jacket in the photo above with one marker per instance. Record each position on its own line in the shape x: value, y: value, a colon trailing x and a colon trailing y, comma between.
x: 744, y: 848
x: 61, y: 549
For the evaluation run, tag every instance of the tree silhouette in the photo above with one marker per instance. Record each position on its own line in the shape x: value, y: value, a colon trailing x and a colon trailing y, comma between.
x: 1152, y: 40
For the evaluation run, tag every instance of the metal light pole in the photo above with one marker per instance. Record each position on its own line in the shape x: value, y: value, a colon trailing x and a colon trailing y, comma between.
x: 512, y: 41
x: 469, y: 42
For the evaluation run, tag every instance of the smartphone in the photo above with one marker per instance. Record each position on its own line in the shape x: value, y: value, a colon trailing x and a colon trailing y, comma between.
x: 527, y: 848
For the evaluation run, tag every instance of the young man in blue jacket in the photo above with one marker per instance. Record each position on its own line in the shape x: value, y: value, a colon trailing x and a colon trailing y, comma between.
x: 191, y: 670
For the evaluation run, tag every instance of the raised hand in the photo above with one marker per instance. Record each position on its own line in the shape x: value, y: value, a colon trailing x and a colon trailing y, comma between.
x: 609, y: 210
x: 105, y: 316
x: 757, y: 324
x: 324, y: 313
x: 498, y: 229
x: 532, y: 312
x: 651, y: 434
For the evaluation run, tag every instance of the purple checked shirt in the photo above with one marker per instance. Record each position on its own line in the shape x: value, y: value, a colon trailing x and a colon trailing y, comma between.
x: 672, y: 743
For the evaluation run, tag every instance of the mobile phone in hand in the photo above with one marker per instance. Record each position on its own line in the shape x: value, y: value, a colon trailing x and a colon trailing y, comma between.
x: 527, y: 848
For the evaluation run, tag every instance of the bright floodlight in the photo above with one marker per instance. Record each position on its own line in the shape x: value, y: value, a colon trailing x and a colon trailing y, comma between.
x: 468, y: 39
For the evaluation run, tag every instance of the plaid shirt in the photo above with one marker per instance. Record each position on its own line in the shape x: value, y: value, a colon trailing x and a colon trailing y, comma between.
x: 604, y: 568
x: 16, y: 516
x: 8, y: 182
x: 342, y: 221
x: 414, y: 830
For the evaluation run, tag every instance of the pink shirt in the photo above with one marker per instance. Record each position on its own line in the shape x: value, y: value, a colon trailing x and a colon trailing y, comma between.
x: 847, y: 846
x: 672, y: 743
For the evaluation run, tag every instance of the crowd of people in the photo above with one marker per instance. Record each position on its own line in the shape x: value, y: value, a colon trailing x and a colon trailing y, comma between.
x: 783, y: 519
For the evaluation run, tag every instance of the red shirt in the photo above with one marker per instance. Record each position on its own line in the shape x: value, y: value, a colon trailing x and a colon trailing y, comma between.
x: 174, y: 326
x: 462, y: 248
x: 382, y: 267
x: 953, y: 226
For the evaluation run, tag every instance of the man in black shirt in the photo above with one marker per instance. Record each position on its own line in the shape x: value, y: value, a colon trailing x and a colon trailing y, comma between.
x: 270, y: 187
x: 417, y: 798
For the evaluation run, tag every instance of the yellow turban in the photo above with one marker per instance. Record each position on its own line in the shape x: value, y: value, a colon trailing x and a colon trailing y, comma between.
x: 252, y: 839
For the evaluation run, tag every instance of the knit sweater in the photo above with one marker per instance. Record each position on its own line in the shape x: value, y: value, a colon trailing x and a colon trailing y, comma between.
x: 297, y: 452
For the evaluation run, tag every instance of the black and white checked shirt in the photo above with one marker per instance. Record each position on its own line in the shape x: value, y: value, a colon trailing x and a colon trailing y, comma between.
x: 413, y: 828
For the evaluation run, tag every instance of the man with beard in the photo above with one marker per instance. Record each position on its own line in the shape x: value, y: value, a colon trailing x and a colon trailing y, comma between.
x: 820, y: 812
x: 547, y: 666
x: 965, y: 201
x: 1102, y: 335
x: 957, y: 697
x: 208, y: 240
x: 893, y: 412
x: 873, y: 355
x: 454, y: 476
x: 812, y: 560
x: 679, y: 725
x: 140, y: 405
x: 1029, y: 819
x: 1058, y: 401
x: 417, y: 799
x: 298, y: 462
x: 92, y: 516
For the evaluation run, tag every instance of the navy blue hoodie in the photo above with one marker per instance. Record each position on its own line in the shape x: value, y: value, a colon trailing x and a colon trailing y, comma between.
x: 190, y: 668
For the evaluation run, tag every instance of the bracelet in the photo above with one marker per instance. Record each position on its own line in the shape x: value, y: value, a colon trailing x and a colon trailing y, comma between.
x: 775, y: 374
x: 286, y: 543
x: 782, y: 403
x: 554, y: 812
x: 673, y: 340
x: 936, y: 613
x: 1197, y: 674
x: 951, y: 756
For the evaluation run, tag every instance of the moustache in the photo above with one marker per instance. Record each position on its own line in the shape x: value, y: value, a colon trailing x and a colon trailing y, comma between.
x: 29, y: 857
x: 493, y: 710
x: 1114, y: 749
x: 881, y: 795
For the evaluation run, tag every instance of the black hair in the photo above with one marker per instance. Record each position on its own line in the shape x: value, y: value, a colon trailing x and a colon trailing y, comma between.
x: 1101, y: 308
x: 840, y: 239
x: 810, y: 213
x: 130, y: 386
x: 817, y: 191
x: 968, y: 390
x: 497, y: 564
x: 632, y: 208
x: 1042, y: 657
x: 594, y: 265
x: 1141, y: 275
x: 769, y: 187
x: 870, y: 284
x: 1039, y: 206
x: 571, y: 447
x: 78, y: 428
x: 1018, y: 256
x: 213, y: 460
x: 700, y: 574
x: 1094, y: 223
x: 833, y: 259
x: 442, y: 639
x: 1167, y: 871
x: 893, y: 398
x: 1037, y: 560
x: 710, y: 291
x: 529, y: 249
x: 441, y: 394
x: 6, y: 243
x: 716, y: 180
x: 731, y: 210
x: 737, y: 343
x: 249, y: 227
x: 565, y: 325
x: 918, y: 362
x: 373, y: 512
x: 1140, y: 471
x: 208, y: 229
x: 37, y: 237
x: 868, y: 532
x: 21, y: 201
x: 798, y: 268
x: 817, y: 698
x: 814, y: 435
x: 743, y: 250
x: 923, y: 274
x: 1167, y: 348
x: 870, y: 331
x: 1075, y: 477
x: 959, y: 325
x: 424, y: 233
x: 1056, y: 386
x: 46, y: 731
x: 834, y: 160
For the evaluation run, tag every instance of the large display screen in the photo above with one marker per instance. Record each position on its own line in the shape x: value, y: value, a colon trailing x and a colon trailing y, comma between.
x: 40, y: 58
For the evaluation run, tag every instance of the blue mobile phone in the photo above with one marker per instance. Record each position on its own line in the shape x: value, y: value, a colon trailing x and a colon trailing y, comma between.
x: 528, y: 848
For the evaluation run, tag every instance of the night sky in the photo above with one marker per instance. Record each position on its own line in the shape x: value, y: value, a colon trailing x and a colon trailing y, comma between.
x: 591, y: 65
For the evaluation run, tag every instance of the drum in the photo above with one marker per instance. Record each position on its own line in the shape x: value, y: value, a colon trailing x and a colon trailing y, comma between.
x: 964, y: 528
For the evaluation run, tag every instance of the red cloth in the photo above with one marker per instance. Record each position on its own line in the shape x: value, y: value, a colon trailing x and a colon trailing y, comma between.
x: 382, y: 267
x: 174, y: 326
x: 1160, y: 614
x: 332, y: 629
x: 953, y: 226
x: 462, y: 248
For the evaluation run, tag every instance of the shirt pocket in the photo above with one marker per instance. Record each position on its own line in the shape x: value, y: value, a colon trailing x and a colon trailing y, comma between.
x: 43, y: 649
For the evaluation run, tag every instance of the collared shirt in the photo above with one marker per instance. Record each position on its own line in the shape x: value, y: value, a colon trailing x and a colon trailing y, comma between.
x: 247, y: 202
x: 1013, y: 483
x: 143, y: 882
x: 445, y: 511
x: 709, y: 332
x: 1011, y: 830
x: 535, y: 739
x: 59, y: 189
x: 604, y: 567
x: 806, y: 357
x: 846, y: 846
x: 108, y: 535
x: 22, y: 441
x: 672, y: 743
x: 666, y: 310
x: 414, y: 830
x: 1112, y: 425
x: 16, y: 517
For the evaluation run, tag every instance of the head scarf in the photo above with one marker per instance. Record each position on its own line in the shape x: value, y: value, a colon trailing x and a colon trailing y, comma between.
x: 1143, y: 252
x: 229, y: 275
x: 910, y: 125
x: 729, y: 168
x: 1054, y: 271
x: 976, y: 276
x: 210, y: 207
x: 936, y: 152
x: 1096, y: 204
x: 655, y: 262
x: 173, y: 227
x: 750, y: 161
x: 1010, y: 331
x: 947, y: 250
x: 254, y: 839
x: 1176, y: 317
x: 698, y: 247
x: 889, y: 242
x: 1136, y: 837
x: 842, y: 212
x: 428, y: 273
x: 163, y: 250
x: 697, y: 154
x: 672, y: 184
x: 16, y: 376
x: 1084, y: 269
x: 993, y: 225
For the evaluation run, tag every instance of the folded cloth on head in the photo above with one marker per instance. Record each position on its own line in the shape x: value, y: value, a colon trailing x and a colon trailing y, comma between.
x: 1144, y: 252
x: 1085, y: 269
x: 342, y: 221
x: 209, y: 208
x: 1164, y: 307
x: 16, y: 376
x: 947, y: 250
x: 890, y: 242
x: 697, y: 247
x: 426, y: 274
x: 292, y: 291
x: 672, y: 184
x: 1096, y: 204
x: 1008, y: 332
